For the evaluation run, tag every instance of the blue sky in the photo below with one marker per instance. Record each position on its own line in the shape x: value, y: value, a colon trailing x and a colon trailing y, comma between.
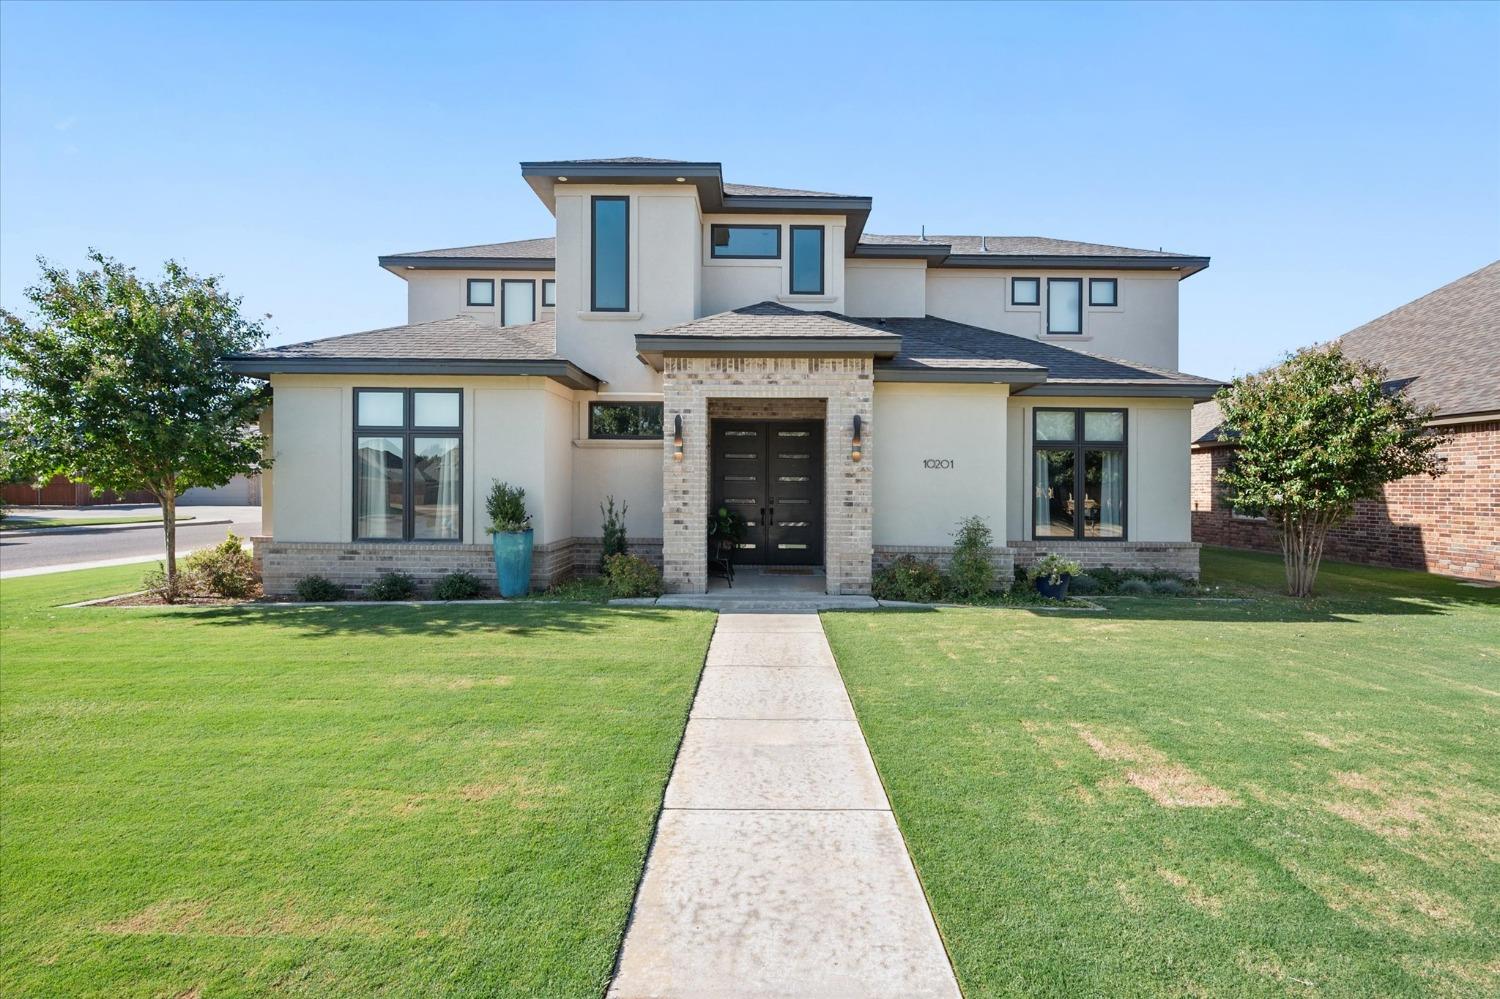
x: 1335, y: 161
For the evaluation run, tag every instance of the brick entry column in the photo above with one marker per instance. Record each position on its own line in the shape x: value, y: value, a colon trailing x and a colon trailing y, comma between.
x: 845, y: 384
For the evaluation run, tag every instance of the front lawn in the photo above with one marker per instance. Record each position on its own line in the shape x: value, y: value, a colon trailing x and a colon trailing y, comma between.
x: 339, y: 800
x: 1191, y: 797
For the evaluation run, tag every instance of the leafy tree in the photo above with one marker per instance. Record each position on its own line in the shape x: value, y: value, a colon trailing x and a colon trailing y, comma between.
x: 1314, y: 435
x: 123, y: 384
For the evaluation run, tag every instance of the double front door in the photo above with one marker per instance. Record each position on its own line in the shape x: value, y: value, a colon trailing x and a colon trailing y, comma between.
x: 771, y: 474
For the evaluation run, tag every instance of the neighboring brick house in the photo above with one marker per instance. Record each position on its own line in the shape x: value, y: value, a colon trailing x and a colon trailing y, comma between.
x: 682, y: 343
x: 1444, y: 348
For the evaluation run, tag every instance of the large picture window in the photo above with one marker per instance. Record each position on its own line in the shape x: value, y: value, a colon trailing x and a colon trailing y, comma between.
x: 1078, y: 474
x: 625, y: 421
x: 408, y: 473
x: 609, y: 283
x: 807, y: 260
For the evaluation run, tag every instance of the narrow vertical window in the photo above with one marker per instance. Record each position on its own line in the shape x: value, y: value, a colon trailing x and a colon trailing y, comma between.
x: 1064, y: 305
x: 549, y: 293
x: 807, y: 260
x: 610, y: 239
x: 517, y: 302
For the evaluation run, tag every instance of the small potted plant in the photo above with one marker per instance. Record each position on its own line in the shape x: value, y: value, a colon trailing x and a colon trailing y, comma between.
x: 1051, y: 574
x: 510, y: 531
x: 725, y: 529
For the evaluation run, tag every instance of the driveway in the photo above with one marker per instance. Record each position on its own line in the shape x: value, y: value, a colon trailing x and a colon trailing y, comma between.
x: 61, y: 547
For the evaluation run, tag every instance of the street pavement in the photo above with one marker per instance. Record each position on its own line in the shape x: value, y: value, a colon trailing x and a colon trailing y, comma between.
x: 63, y: 548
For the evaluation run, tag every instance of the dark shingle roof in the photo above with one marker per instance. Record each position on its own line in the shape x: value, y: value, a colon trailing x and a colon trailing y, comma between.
x: 770, y: 319
x: 1447, y: 343
x: 757, y: 190
x: 544, y: 246
x: 457, y: 338
x: 1021, y: 246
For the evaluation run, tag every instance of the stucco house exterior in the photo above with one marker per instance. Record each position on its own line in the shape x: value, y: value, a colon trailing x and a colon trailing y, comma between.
x: 683, y: 343
x: 1443, y: 349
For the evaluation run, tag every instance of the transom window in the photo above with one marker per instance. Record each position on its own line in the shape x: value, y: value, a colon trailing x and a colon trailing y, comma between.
x: 609, y: 277
x: 1078, y: 474
x: 807, y: 260
x: 1064, y: 305
x: 625, y: 421
x: 1025, y: 291
x: 517, y: 302
x: 1104, y: 291
x: 407, y: 464
x: 746, y: 242
x: 549, y: 293
x: 481, y: 291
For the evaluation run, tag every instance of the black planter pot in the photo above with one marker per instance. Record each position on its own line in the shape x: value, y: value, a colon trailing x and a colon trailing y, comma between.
x: 1053, y: 591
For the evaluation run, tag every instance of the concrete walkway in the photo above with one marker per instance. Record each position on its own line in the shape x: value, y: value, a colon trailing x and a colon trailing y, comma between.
x: 777, y: 868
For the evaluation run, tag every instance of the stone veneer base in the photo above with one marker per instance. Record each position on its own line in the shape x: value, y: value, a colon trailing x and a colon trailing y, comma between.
x: 1180, y: 558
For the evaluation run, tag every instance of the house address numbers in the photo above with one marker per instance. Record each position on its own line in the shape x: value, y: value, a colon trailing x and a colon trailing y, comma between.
x: 937, y: 462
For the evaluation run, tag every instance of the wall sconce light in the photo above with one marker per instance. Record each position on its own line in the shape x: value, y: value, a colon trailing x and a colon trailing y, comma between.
x: 857, y: 445
x: 677, y: 438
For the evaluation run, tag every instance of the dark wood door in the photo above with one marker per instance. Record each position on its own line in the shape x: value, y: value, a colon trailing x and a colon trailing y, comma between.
x: 771, y: 473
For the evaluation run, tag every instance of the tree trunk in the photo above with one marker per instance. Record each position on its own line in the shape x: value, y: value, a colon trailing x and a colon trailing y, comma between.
x: 1302, y: 541
x: 168, y: 498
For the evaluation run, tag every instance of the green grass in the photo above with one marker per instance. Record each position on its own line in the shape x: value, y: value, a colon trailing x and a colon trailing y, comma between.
x: 24, y: 523
x: 1326, y: 818
x: 340, y: 801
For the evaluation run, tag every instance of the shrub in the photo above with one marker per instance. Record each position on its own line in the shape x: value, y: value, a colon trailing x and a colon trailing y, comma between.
x: 392, y: 586
x: 458, y: 586
x: 506, y: 506
x: 1053, y: 568
x: 1084, y: 584
x: 316, y: 589
x: 1135, y: 588
x: 1170, y: 586
x: 908, y: 578
x: 1109, y: 579
x: 225, y: 570
x: 613, y: 531
x: 632, y: 576
x: 971, y: 575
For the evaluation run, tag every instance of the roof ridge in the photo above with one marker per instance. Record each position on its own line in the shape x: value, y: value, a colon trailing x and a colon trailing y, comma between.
x: 1492, y: 265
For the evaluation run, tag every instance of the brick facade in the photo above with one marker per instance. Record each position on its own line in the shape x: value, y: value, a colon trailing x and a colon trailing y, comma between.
x: 1179, y: 558
x: 1449, y: 525
x: 700, y: 388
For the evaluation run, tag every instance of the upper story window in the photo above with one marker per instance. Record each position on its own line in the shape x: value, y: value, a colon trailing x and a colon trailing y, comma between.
x: 517, y: 302
x: 609, y: 231
x: 746, y: 242
x: 407, y: 472
x: 549, y: 293
x: 1025, y: 291
x: 1104, y: 292
x: 481, y: 291
x: 625, y: 420
x: 807, y: 260
x: 1064, y: 305
x: 1078, y: 474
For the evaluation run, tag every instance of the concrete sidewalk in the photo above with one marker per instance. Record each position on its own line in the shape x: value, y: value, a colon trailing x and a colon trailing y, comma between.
x: 777, y: 868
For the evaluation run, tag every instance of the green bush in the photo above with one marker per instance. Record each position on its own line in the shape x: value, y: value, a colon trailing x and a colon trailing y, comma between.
x: 1053, y: 568
x: 613, y: 530
x: 458, y: 586
x: 908, y: 578
x: 971, y: 575
x: 317, y: 589
x: 1083, y: 584
x: 1134, y: 588
x: 225, y: 570
x: 392, y: 586
x: 632, y: 576
x: 1109, y: 579
x: 1170, y: 586
x: 506, y: 506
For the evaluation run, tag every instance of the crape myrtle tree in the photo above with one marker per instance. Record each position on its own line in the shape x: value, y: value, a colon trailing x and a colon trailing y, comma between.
x: 1314, y: 435
x: 123, y: 384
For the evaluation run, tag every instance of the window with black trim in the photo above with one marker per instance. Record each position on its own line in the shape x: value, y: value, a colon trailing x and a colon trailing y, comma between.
x: 549, y: 293
x: 745, y: 242
x: 807, y: 260
x: 517, y: 302
x: 625, y: 421
x: 1065, y: 305
x: 1078, y: 474
x: 1104, y: 291
x: 408, y: 471
x: 609, y: 239
x: 481, y: 291
x: 1025, y: 291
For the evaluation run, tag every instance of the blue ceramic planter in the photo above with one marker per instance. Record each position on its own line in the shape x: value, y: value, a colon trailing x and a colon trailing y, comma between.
x: 1046, y: 588
x: 513, y: 562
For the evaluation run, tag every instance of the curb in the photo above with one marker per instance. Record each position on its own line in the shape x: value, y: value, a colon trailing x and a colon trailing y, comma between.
x: 94, y: 528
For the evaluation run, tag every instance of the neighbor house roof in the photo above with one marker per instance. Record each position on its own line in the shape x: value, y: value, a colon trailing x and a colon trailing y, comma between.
x: 460, y: 345
x: 1443, y: 349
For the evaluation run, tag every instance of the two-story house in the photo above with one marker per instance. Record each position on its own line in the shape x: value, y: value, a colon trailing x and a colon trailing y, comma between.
x: 683, y: 343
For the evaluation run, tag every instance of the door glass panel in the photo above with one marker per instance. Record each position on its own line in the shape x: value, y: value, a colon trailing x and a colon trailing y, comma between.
x: 1104, y: 494
x: 434, y: 488
x: 378, y: 494
x: 1052, y: 504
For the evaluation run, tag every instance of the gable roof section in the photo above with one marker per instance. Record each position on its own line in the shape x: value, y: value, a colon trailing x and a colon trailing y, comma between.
x: 460, y: 345
x: 768, y: 328
x: 1023, y: 251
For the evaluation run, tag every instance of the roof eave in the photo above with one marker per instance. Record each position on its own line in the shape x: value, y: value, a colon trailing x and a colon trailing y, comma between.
x: 982, y: 376
x: 558, y: 369
x: 543, y: 176
x: 1184, y: 266
x: 396, y: 263
x: 652, y: 348
x: 1196, y: 391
